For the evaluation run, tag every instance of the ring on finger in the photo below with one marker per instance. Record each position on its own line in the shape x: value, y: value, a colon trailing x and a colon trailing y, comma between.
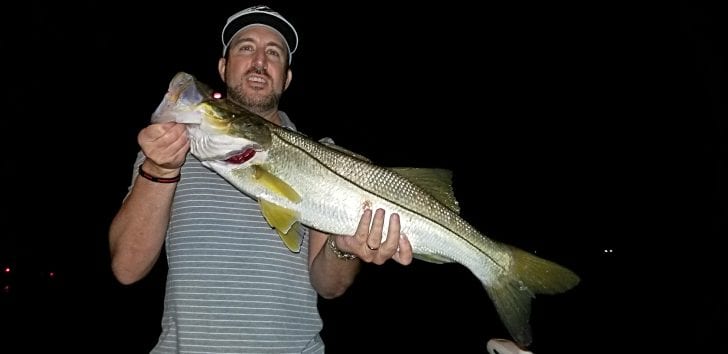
x: 371, y: 248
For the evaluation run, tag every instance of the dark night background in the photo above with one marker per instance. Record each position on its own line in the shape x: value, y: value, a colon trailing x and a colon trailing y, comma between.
x: 571, y: 131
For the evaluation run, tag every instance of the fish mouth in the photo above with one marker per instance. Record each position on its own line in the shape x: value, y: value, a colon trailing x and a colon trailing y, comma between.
x: 241, y: 156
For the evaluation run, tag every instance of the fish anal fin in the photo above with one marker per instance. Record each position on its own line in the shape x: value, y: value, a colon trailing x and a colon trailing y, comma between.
x: 436, y: 181
x: 275, y: 184
x: 285, y: 223
x: 432, y: 258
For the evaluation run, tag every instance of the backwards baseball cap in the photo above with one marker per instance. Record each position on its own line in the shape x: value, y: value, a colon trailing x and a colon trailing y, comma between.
x: 262, y: 15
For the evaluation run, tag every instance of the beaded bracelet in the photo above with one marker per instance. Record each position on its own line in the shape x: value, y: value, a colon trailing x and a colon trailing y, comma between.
x: 156, y: 179
x: 339, y: 253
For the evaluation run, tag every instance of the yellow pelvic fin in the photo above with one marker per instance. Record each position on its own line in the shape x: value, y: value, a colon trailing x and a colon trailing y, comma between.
x: 285, y: 222
x: 275, y: 184
x: 436, y: 181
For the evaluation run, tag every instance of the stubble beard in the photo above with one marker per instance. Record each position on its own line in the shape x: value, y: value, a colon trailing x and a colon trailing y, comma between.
x: 257, y: 104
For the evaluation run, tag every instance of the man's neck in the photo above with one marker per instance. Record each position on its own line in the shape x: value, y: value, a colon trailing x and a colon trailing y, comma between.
x: 271, y: 116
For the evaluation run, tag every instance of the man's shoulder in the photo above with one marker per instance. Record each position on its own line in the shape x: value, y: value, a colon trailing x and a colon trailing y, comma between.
x: 286, y: 121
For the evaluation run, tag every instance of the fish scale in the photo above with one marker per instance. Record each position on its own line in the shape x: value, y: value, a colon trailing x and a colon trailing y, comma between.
x: 401, y: 196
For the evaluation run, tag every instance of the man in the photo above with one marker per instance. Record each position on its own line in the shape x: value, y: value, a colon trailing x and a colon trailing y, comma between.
x: 232, y: 286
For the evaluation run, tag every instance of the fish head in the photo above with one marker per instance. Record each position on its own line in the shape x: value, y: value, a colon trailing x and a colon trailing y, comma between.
x: 220, y: 131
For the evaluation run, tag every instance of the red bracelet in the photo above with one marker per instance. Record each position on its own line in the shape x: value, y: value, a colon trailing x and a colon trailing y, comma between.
x: 146, y: 175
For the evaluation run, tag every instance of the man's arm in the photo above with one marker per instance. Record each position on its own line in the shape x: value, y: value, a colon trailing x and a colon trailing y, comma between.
x: 136, y: 234
x: 332, y: 274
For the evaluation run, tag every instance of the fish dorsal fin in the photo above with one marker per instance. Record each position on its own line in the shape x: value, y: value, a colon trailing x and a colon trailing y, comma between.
x: 275, y: 184
x: 285, y: 222
x: 330, y: 143
x: 436, y: 181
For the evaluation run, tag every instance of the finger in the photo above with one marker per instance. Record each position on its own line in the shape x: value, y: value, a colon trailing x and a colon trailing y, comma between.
x: 404, y: 254
x: 150, y: 133
x: 178, y: 142
x: 362, y: 231
x: 393, y: 230
x: 175, y: 132
x: 158, y: 135
x: 375, y: 233
x: 172, y: 135
x: 390, y: 246
x: 158, y: 130
x: 170, y: 145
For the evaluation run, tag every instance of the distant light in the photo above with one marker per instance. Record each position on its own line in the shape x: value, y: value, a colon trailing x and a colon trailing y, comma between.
x: 608, y: 250
x: 51, y: 274
x: 7, y: 269
x: 217, y: 95
x: 6, y: 288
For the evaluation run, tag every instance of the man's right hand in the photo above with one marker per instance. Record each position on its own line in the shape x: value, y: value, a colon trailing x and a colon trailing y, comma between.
x: 165, y: 146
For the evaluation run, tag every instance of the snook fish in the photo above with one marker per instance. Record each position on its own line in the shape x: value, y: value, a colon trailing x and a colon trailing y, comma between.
x: 299, y: 181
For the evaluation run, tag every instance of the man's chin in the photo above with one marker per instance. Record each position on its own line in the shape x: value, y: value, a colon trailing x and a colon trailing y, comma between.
x: 255, y: 103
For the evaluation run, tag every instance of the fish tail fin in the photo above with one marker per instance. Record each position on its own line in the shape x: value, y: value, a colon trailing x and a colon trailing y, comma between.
x: 513, y: 292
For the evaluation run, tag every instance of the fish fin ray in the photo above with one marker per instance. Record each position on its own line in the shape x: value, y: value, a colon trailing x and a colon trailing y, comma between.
x: 285, y: 222
x: 293, y: 239
x: 275, y: 184
x: 436, y: 181
x: 432, y: 258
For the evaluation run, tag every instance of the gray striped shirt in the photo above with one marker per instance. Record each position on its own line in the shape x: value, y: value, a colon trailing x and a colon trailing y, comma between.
x: 232, y: 286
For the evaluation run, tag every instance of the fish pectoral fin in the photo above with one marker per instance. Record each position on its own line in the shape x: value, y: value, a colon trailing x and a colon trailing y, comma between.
x: 285, y: 222
x: 275, y: 184
x: 432, y: 258
x: 436, y: 181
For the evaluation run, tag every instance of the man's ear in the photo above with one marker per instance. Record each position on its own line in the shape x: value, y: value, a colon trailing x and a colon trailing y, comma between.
x: 221, y: 66
x: 289, y: 77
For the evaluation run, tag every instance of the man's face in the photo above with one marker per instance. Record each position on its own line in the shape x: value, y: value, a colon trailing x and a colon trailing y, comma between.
x: 256, y: 71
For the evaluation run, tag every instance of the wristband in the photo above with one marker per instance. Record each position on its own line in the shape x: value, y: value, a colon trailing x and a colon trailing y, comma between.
x: 156, y: 179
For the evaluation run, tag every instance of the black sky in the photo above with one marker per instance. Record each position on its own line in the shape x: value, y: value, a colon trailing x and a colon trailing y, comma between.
x: 570, y: 130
